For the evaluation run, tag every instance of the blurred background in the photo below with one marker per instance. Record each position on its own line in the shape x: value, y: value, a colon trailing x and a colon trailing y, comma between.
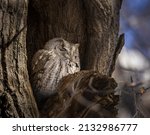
x: 133, y: 65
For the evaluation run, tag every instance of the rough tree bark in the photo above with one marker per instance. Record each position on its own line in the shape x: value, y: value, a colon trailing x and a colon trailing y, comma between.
x: 82, y: 95
x: 16, y: 98
x: 92, y: 23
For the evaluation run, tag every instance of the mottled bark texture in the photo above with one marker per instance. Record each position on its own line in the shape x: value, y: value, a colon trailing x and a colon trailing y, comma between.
x: 82, y: 95
x: 16, y: 98
x: 92, y: 23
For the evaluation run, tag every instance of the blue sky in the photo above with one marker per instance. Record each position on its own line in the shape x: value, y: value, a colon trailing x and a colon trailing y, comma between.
x: 135, y: 23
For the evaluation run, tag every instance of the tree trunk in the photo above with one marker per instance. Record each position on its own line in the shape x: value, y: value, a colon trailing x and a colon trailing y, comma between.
x: 16, y: 98
x: 92, y: 23
x: 82, y: 95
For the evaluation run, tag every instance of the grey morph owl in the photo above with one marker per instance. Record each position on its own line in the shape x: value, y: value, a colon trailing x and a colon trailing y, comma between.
x: 57, y: 59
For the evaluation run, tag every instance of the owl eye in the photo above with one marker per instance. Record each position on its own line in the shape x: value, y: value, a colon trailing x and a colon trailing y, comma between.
x: 63, y: 49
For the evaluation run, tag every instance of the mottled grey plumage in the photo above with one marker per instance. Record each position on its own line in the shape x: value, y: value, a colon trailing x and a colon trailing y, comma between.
x: 58, y: 58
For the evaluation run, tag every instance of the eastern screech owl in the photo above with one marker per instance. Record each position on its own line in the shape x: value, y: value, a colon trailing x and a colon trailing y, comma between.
x: 58, y: 58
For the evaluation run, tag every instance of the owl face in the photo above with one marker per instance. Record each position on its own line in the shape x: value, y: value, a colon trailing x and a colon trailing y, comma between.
x: 63, y: 49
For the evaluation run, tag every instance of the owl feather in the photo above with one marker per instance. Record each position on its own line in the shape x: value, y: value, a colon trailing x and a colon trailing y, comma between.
x: 57, y: 59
